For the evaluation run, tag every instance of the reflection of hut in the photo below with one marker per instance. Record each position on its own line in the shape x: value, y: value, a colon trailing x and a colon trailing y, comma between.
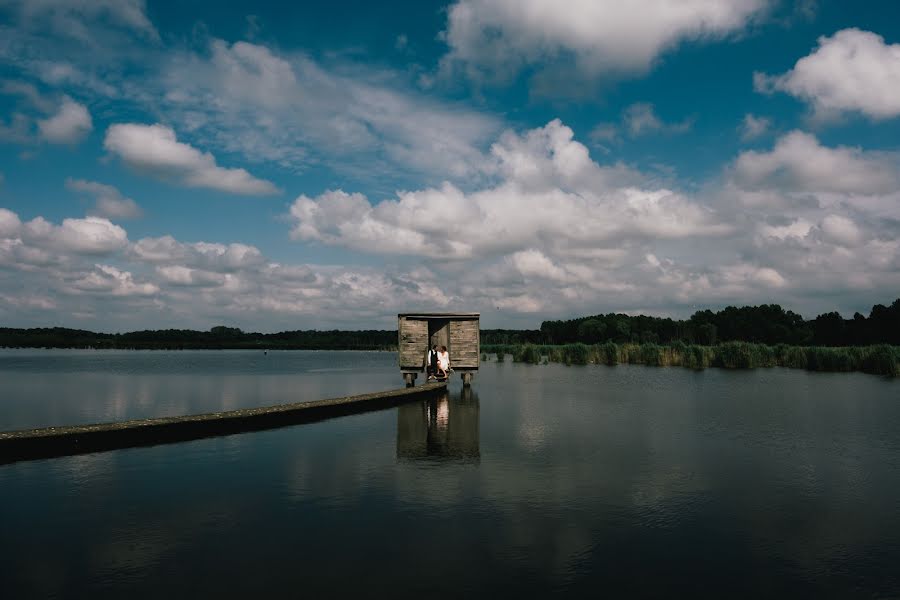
x: 440, y: 427
x: 417, y: 332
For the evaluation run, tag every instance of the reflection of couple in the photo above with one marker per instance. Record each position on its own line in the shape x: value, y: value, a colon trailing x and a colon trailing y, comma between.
x: 438, y: 362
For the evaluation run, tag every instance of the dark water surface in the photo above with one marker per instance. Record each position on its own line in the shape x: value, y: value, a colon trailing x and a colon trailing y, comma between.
x: 588, y: 481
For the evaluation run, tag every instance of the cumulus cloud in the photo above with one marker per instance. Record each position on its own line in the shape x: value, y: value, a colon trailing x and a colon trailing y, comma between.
x: 555, y: 235
x: 799, y: 162
x: 224, y: 258
x: 753, y: 127
x: 535, y: 264
x: 92, y: 235
x: 154, y: 149
x: 556, y: 229
x: 495, y: 39
x: 550, y: 192
x: 105, y: 279
x: 841, y: 230
x: 851, y: 71
x: 798, y: 228
x: 108, y: 201
x: 67, y: 121
x: 179, y: 275
x: 9, y: 223
x: 50, y: 276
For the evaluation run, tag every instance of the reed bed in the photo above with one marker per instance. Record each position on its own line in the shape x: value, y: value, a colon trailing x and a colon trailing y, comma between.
x: 879, y: 359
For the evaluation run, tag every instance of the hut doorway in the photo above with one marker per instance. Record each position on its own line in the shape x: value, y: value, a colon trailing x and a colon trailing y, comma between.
x: 439, y: 333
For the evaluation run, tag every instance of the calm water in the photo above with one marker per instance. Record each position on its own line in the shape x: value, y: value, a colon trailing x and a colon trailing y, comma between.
x: 588, y: 481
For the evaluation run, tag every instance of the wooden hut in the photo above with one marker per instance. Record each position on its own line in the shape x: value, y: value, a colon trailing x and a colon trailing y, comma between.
x: 417, y: 332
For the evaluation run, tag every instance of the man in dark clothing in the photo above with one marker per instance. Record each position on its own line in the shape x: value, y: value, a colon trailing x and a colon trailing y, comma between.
x: 431, y: 365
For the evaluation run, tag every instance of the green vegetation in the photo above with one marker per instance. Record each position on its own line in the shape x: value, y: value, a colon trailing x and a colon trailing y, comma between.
x: 881, y: 359
x: 768, y: 324
x: 732, y: 338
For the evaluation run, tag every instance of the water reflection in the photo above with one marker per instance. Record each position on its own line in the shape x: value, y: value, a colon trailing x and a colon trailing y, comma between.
x: 625, y: 482
x: 52, y: 388
x: 445, y: 427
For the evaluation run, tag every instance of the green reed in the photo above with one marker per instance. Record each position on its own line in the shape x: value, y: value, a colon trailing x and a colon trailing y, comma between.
x: 881, y: 359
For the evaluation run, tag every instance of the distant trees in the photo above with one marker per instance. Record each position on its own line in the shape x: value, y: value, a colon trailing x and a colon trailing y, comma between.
x: 182, y: 339
x: 765, y: 324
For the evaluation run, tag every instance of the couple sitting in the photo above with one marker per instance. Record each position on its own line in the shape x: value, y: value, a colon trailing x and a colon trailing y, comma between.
x: 437, y: 363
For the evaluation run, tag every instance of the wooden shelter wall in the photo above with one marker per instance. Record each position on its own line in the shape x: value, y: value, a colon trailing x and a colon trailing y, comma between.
x: 464, y: 344
x: 413, y: 342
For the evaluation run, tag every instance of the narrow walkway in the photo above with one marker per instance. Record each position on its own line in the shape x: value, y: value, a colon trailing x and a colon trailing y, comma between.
x: 49, y: 442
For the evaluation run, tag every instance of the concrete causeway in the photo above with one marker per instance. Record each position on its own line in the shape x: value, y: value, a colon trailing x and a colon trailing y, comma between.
x: 50, y: 442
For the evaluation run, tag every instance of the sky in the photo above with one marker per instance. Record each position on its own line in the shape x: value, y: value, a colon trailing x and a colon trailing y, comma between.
x: 331, y: 164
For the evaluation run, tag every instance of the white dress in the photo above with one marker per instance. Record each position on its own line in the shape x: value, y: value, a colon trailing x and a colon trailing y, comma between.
x: 444, y: 360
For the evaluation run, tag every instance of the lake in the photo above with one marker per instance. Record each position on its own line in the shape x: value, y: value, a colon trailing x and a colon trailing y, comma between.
x: 624, y: 481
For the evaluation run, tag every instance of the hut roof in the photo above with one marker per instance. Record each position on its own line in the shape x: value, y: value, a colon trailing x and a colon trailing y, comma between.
x: 427, y: 315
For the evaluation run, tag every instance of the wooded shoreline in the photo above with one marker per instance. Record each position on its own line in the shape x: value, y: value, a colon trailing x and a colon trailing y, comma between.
x: 767, y: 324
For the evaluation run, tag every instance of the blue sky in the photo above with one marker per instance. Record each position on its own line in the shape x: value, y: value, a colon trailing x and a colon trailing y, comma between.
x: 333, y: 164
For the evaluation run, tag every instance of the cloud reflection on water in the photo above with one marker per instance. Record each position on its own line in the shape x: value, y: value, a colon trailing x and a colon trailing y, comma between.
x: 542, y: 478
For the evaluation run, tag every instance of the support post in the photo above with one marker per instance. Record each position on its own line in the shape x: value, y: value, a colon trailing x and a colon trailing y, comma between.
x: 410, y: 379
x: 466, y: 378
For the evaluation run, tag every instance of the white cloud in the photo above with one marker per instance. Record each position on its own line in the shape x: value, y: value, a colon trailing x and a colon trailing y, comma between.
x: 556, y: 231
x: 515, y: 271
x: 9, y: 223
x: 185, y: 276
x: 203, y: 256
x: 155, y: 150
x: 799, y: 162
x: 753, y: 127
x: 841, y: 230
x: 798, y: 229
x: 604, y: 132
x: 497, y: 38
x: 640, y: 119
x: 68, y: 122
x: 105, y: 279
x: 551, y: 192
x: 69, y: 125
x: 853, y: 70
x: 535, y: 264
x: 108, y: 201
x: 92, y: 235
x: 745, y: 274
x: 291, y: 110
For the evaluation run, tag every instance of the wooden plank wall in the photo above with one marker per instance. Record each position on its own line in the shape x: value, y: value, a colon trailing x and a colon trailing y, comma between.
x: 413, y: 342
x: 464, y: 344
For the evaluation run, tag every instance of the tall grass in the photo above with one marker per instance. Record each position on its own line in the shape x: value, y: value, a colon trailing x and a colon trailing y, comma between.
x: 879, y: 360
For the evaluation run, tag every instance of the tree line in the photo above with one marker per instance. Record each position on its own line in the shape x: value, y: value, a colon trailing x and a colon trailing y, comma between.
x: 764, y: 324
x: 219, y: 337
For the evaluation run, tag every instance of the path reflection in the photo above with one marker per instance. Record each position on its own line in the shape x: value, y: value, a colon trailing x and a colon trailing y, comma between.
x: 445, y: 427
